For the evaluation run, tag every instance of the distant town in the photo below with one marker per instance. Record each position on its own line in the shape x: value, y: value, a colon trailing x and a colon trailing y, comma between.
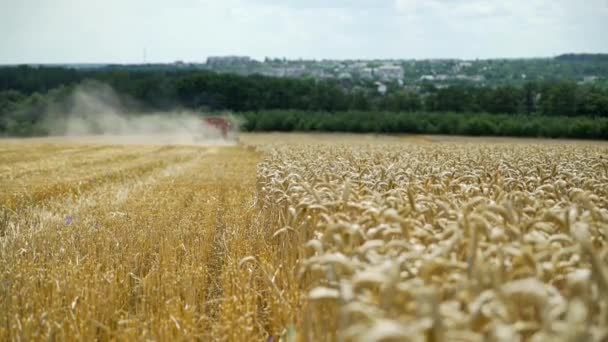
x: 407, y: 74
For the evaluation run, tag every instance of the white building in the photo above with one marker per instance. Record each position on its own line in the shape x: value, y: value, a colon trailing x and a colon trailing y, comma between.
x: 389, y: 72
x: 295, y: 71
x: 590, y: 79
x: 382, y: 88
x: 227, y: 60
x: 366, y: 73
x: 345, y: 76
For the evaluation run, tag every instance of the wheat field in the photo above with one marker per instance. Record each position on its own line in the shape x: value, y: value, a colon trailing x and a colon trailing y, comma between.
x: 305, y: 238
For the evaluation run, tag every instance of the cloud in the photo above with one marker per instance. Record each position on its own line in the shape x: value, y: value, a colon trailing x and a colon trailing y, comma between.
x: 516, y: 28
x: 191, y: 30
x: 454, y: 8
x: 324, y: 4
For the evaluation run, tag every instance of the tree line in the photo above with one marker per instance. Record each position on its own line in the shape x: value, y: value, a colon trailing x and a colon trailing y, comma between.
x: 470, y: 124
x: 26, y: 93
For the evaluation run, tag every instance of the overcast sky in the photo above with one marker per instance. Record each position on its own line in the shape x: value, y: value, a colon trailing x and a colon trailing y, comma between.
x: 118, y: 31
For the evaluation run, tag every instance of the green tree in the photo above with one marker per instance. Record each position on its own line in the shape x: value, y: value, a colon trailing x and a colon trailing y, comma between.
x: 559, y: 99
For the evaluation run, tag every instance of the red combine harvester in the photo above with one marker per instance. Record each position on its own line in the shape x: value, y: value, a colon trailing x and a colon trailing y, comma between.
x: 222, y: 125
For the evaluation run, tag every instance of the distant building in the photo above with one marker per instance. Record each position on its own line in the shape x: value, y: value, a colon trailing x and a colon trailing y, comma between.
x: 590, y: 79
x: 411, y: 88
x: 356, y: 66
x: 366, y: 73
x: 389, y: 72
x: 473, y: 78
x: 273, y: 72
x: 296, y: 71
x: 345, y: 75
x: 228, y: 60
x: 382, y: 88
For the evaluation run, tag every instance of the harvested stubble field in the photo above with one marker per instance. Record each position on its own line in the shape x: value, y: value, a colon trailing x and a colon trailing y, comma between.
x: 299, y: 237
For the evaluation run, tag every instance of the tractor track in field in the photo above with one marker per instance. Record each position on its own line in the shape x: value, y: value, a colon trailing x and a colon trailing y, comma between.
x: 217, y: 258
x: 67, y: 160
x: 57, y: 209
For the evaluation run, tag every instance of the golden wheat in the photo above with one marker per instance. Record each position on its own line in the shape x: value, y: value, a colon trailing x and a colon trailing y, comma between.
x: 443, y: 242
x: 305, y: 238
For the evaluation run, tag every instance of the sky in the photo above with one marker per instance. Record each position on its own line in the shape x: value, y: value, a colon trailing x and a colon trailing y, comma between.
x: 119, y: 31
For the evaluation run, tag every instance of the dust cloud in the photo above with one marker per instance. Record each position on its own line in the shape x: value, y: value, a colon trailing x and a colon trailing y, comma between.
x: 97, y: 114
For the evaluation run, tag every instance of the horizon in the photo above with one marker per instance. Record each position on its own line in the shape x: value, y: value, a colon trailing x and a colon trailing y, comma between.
x: 262, y: 60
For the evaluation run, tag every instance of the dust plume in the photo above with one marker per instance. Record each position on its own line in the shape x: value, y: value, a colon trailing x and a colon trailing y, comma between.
x: 96, y: 113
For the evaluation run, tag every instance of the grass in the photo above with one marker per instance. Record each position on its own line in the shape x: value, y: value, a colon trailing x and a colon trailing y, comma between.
x: 305, y: 237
